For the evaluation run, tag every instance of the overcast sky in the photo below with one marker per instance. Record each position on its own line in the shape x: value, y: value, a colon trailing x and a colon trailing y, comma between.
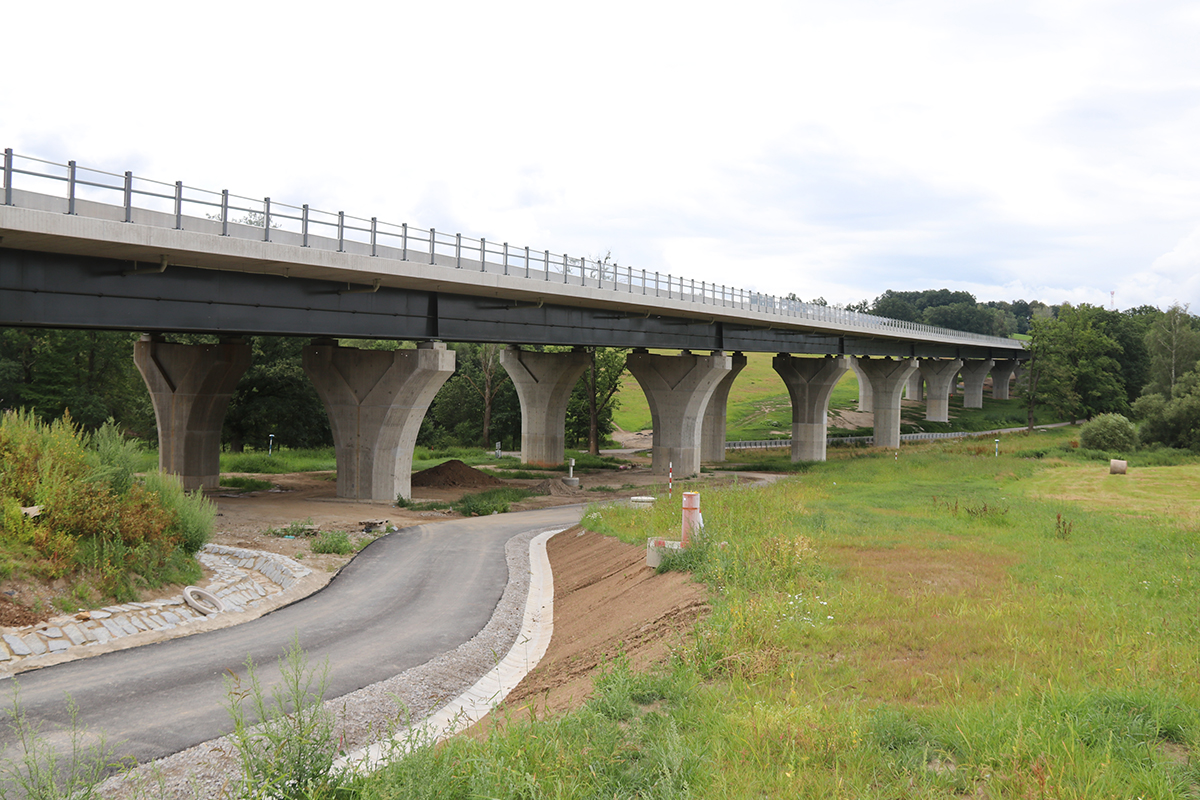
x: 1045, y: 150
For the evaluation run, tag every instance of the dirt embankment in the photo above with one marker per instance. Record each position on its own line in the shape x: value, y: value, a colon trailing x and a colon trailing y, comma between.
x: 607, y: 602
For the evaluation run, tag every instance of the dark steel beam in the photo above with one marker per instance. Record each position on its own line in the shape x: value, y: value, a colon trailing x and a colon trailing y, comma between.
x: 70, y: 291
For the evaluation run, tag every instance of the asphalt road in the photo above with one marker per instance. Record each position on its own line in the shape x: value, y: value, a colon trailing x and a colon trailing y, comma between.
x: 405, y: 599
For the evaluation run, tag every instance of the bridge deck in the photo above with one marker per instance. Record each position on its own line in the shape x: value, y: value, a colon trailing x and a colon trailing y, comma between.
x: 311, y: 275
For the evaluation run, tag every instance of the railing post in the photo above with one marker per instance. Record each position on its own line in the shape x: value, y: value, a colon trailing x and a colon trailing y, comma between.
x: 8, y: 175
x: 506, y: 258
x: 404, y: 241
x: 703, y: 294
x: 656, y: 283
x: 341, y: 231
x: 374, y: 232
x: 71, y: 188
x: 128, y: 196
x: 566, y: 267
x: 694, y: 290
x: 526, y: 261
x: 630, y: 271
x: 546, y: 263
x: 266, y: 219
x: 304, y: 225
x: 178, y: 205
x: 643, y: 283
x: 224, y: 212
x: 458, y: 251
x: 483, y: 255
x: 432, y: 246
x: 722, y: 295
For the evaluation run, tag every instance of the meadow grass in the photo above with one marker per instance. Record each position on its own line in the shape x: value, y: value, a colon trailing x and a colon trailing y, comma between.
x: 281, y: 460
x: 933, y: 621
x: 944, y: 623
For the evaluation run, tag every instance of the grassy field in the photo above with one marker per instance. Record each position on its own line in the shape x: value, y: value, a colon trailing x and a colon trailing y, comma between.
x: 943, y: 624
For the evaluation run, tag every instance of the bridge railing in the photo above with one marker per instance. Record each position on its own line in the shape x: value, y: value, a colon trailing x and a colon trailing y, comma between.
x: 124, y: 197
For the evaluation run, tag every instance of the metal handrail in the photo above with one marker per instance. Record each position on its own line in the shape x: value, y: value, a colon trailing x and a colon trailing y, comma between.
x: 372, y: 237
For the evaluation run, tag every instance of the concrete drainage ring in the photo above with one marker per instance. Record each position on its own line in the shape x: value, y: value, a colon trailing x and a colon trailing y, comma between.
x: 204, y: 602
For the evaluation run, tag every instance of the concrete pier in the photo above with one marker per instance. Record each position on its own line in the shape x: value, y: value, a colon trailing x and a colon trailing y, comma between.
x: 544, y: 382
x: 1002, y: 375
x: 888, y: 377
x: 913, y: 388
x: 678, y: 389
x: 866, y: 402
x: 939, y: 375
x: 712, y: 432
x: 190, y: 386
x: 974, y: 371
x: 376, y: 400
x: 810, y: 382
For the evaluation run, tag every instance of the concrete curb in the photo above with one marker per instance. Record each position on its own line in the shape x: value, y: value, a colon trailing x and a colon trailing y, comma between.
x: 537, y: 628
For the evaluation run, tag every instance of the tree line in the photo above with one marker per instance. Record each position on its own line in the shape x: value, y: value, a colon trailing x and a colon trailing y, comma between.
x: 1083, y: 360
x: 92, y: 375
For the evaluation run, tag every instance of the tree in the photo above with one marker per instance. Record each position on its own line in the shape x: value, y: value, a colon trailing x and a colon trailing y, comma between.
x: 961, y: 317
x: 275, y: 396
x: 90, y: 373
x: 590, y: 409
x: 895, y: 305
x: 485, y: 375
x: 1174, y: 347
x: 1173, y: 421
x: 478, y: 403
x: 1072, y: 368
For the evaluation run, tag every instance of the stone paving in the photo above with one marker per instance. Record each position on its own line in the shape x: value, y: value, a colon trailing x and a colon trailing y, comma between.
x: 242, y: 579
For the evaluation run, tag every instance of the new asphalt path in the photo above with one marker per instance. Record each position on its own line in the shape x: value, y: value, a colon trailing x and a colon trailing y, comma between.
x: 405, y: 599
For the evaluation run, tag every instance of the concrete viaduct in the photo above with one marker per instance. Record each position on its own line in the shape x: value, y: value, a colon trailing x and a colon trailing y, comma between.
x: 88, y: 249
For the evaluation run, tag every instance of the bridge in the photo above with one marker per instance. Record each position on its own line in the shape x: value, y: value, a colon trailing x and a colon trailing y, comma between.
x: 85, y: 248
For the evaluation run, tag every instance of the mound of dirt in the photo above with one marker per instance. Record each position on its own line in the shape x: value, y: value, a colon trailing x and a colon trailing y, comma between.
x: 556, y: 488
x: 454, y: 474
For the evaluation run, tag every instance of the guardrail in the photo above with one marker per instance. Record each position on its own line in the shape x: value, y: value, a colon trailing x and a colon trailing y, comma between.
x: 227, y: 214
x: 768, y: 444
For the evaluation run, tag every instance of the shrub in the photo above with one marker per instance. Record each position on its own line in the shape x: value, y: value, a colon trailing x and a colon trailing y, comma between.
x: 194, y: 513
x: 97, y: 525
x: 336, y: 542
x: 493, y: 501
x: 1112, y: 433
x: 285, y: 740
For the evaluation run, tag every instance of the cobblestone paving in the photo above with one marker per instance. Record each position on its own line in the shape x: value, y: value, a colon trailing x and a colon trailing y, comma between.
x: 241, y: 579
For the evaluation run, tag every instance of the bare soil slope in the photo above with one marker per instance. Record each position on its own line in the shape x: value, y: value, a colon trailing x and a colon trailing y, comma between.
x: 606, y: 602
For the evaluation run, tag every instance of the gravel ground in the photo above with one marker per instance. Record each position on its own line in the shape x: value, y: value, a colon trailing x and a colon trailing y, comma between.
x: 365, y: 716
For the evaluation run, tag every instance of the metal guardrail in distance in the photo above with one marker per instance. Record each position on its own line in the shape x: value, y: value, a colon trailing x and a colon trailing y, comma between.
x: 768, y: 444
x: 88, y: 192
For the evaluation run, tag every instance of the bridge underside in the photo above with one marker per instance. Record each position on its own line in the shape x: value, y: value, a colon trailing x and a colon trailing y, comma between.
x: 71, y: 291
